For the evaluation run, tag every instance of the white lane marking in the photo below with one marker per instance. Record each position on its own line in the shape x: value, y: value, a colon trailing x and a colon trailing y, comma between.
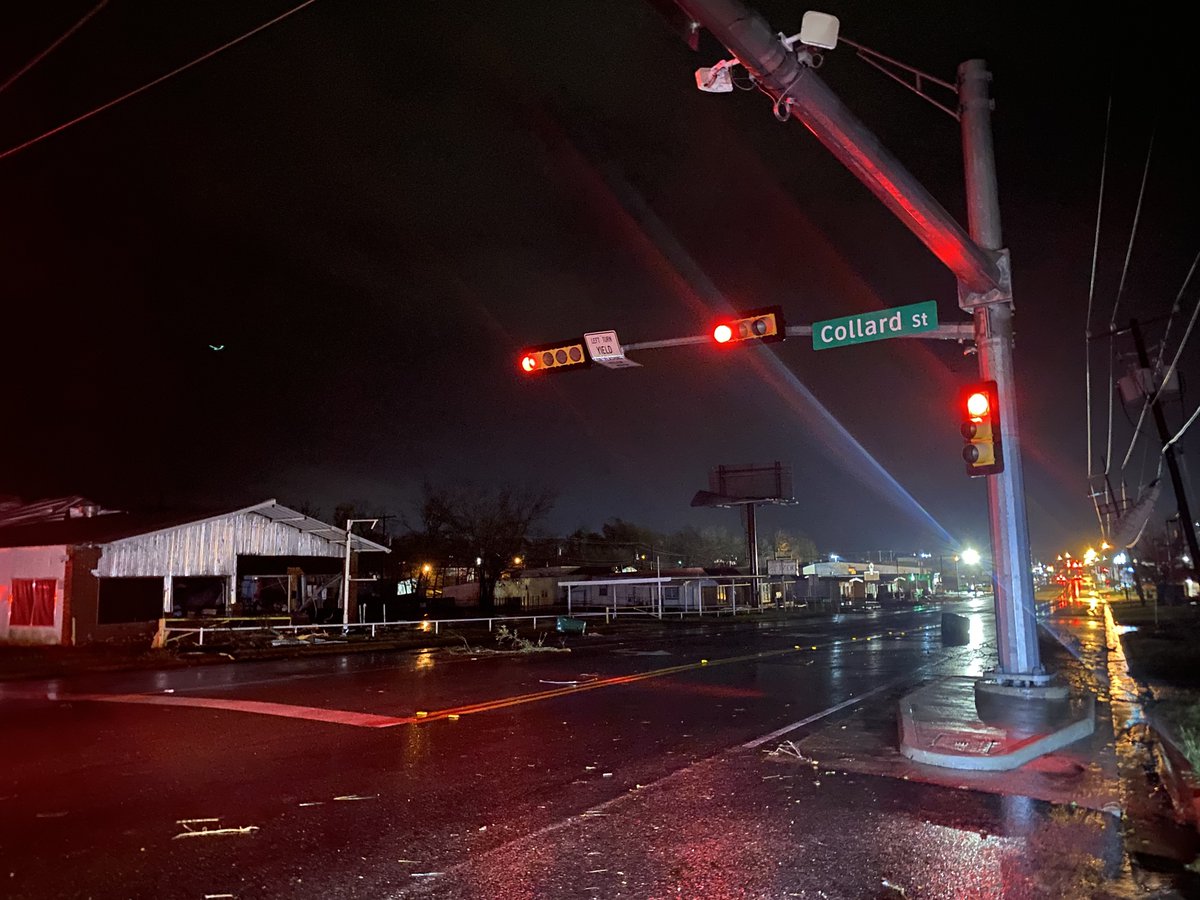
x: 780, y: 732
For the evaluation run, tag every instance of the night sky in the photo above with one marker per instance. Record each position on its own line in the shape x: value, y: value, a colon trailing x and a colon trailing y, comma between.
x: 372, y: 207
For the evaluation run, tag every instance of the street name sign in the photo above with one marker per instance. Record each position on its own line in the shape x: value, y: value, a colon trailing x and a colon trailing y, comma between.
x: 875, y: 326
x: 604, y: 348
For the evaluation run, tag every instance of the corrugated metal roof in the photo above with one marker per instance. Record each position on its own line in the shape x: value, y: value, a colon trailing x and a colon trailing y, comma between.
x: 106, y: 529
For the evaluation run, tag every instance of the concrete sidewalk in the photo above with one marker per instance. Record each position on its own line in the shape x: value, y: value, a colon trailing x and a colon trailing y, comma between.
x: 1082, y: 772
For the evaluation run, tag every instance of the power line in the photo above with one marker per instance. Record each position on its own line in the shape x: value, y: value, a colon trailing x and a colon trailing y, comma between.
x: 1087, y: 325
x: 1112, y: 322
x: 54, y: 46
x: 1159, y: 387
x: 12, y: 151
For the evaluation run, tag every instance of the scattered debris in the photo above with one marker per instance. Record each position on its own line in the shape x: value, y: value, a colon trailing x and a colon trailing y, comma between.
x: 789, y: 748
x: 205, y: 831
x: 895, y: 887
x: 356, y: 797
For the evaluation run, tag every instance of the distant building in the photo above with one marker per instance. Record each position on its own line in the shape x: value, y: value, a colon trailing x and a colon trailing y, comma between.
x: 532, y: 588
x: 72, y: 572
x: 846, y: 582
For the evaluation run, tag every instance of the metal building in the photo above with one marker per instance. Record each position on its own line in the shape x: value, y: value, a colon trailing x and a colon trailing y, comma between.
x: 85, y: 574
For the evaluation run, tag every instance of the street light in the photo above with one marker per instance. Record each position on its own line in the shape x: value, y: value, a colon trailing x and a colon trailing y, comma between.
x: 970, y: 557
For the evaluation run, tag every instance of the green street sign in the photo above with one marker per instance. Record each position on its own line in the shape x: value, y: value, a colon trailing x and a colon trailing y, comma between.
x: 875, y: 326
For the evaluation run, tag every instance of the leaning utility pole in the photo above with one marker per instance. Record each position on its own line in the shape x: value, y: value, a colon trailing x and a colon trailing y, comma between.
x: 977, y: 260
x: 1187, y: 523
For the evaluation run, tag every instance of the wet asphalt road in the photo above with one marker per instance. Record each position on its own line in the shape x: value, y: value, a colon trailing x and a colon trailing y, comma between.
x: 619, y: 769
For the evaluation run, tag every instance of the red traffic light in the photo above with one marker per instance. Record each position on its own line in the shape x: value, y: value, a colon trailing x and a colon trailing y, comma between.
x: 980, y: 428
x: 978, y: 404
x: 561, y: 355
x: 754, y: 325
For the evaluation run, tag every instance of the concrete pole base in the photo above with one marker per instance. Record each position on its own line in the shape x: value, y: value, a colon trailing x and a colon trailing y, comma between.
x: 952, y: 724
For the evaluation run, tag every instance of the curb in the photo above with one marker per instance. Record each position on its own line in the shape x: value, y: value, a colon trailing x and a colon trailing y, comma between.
x: 1181, y: 781
x: 1178, y: 776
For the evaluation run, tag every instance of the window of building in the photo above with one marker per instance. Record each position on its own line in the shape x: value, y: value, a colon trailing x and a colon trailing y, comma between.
x: 32, y: 602
x: 604, y: 590
x: 671, y: 594
x: 129, y: 600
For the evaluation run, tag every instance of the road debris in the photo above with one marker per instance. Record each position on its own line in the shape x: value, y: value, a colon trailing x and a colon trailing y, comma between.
x: 205, y: 831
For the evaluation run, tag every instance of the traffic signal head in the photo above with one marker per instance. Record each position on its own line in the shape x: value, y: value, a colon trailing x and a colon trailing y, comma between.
x: 755, y: 325
x: 980, y: 409
x: 562, y: 355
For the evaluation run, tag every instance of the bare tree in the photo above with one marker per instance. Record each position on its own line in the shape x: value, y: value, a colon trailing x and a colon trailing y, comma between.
x: 489, y: 524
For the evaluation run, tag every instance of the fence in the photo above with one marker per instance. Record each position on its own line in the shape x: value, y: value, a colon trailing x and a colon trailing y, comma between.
x: 169, y: 631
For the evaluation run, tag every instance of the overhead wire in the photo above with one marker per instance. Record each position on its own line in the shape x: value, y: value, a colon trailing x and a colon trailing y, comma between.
x: 1087, y: 325
x: 1175, y: 363
x: 12, y: 151
x: 53, y: 46
x: 1159, y: 386
x: 1112, y: 322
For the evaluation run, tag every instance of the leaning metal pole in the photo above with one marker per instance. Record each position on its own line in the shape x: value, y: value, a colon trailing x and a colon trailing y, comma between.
x: 804, y: 95
x: 1016, y: 621
x: 977, y: 261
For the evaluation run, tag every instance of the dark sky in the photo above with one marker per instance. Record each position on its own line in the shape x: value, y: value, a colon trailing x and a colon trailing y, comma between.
x: 373, y: 206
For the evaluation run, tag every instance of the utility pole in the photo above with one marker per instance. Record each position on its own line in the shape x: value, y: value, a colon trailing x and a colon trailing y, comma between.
x: 1187, y: 523
x: 350, y: 523
x: 977, y: 260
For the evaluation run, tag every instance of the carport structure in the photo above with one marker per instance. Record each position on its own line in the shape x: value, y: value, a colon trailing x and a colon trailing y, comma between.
x: 90, y: 575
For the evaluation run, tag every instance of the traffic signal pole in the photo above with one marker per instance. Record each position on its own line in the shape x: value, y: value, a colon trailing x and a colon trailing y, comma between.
x: 1012, y: 580
x: 976, y: 259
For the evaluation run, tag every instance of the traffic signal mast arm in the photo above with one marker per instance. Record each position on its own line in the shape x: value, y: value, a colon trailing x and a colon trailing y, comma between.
x: 964, y: 331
